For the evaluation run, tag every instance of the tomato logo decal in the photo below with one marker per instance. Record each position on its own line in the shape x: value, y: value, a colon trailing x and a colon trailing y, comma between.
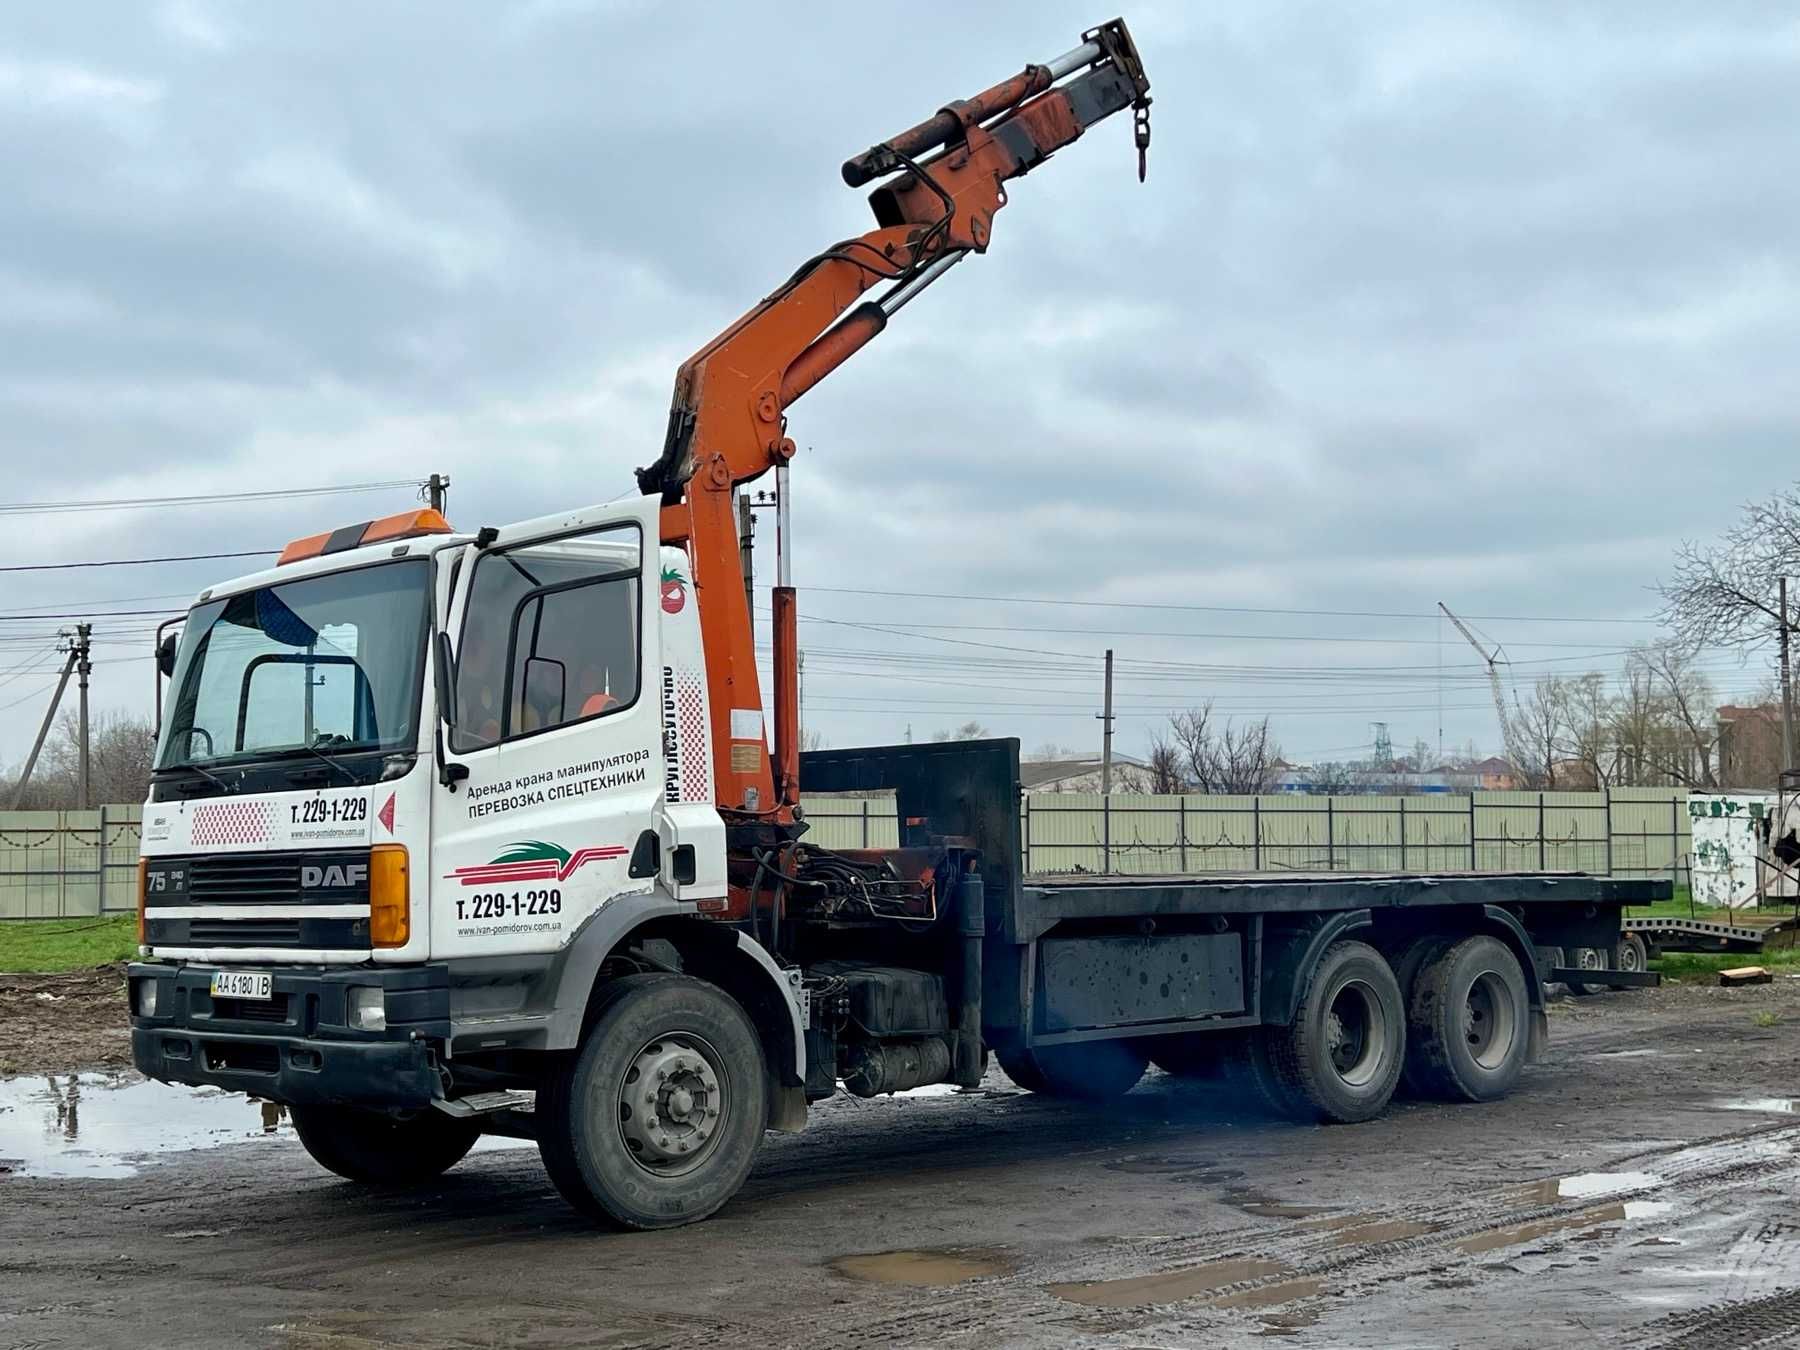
x: 674, y: 591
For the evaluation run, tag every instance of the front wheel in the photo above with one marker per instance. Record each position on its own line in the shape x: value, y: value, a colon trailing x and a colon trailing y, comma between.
x: 656, y: 1119
x: 380, y: 1150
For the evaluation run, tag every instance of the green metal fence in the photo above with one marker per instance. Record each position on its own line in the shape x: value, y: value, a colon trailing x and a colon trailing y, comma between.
x: 67, y: 864
x: 1627, y: 832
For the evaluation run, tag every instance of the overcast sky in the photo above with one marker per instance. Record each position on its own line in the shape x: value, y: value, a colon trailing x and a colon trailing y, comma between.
x: 1487, y: 303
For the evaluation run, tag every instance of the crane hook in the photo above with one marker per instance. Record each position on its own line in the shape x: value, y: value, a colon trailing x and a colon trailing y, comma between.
x: 1141, y: 125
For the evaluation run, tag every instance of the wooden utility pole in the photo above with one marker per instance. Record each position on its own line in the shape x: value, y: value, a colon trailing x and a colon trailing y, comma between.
x: 746, y: 552
x: 1787, y: 687
x: 1106, y: 721
x: 43, y: 731
x: 82, y: 666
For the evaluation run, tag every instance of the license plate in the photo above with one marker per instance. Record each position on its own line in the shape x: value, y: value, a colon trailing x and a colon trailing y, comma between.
x: 250, y: 984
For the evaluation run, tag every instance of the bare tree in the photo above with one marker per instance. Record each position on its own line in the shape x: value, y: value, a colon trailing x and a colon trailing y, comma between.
x: 1230, y: 759
x: 1726, y: 593
x: 1589, y: 750
x: 1680, y: 743
x: 968, y: 731
x: 121, y: 749
x: 1166, y: 773
x: 812, y: 740
x: 1539, y: 724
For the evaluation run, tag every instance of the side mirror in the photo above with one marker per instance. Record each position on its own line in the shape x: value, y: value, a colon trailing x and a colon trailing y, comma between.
x: 165, y: 655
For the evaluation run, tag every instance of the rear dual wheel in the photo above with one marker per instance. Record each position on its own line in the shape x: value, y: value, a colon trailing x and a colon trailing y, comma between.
x: 1468, y: 1021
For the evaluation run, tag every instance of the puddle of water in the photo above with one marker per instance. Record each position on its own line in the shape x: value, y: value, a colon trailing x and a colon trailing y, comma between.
x: 923, y: 1269
x: 108, y: 1126
x: 105, y: 1126
x: 1648, y: 1209
x: 1263, y: 1209
x: 1529, y: 1232
x: 1626, y: 1054
x: 1775, y: 1106
x: 1169, y: 1286
x: 1268, y: 1295
x: 1586, y: 1186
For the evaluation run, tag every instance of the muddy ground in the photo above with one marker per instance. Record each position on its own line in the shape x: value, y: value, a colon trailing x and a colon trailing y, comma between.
x: 1642, y: 1188
x: 75, y: 1019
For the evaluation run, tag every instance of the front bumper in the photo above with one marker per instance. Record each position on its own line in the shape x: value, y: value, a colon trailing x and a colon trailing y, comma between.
x: 298, y: 1048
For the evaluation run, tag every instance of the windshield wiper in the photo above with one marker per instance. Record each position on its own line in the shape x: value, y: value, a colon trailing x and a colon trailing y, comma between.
x: 207, y: 774
x: 324, y: 758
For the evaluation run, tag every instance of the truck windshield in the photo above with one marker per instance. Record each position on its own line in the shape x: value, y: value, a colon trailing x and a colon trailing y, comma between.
x: 328, y: 663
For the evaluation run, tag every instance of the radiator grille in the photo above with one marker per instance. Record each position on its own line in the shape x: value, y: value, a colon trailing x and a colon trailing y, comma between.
x: 244, y: 878
x: 244, y: 933
x: 251, y: 1010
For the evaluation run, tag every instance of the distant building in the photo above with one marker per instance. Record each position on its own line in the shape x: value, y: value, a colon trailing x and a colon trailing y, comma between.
x: 1749, y: 745
x: 1489, y: 775
x: 1083, y: 774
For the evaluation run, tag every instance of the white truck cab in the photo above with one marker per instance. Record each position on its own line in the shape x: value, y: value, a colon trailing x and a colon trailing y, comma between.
x: 412, y: 788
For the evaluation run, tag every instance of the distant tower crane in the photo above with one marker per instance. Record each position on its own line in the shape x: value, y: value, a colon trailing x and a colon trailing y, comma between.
x: 1514, y: 752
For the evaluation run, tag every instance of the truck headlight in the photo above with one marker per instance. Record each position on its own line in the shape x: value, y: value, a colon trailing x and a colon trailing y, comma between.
x: 146, y: 998
x: 366, y: 1007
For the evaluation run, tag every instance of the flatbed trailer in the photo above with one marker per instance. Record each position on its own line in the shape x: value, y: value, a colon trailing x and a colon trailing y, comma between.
x: 1190, y: 971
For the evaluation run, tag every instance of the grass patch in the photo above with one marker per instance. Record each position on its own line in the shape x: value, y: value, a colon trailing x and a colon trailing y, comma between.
x: 1688, y: 966
x: 44, y: 945
x: 1766, y: 1019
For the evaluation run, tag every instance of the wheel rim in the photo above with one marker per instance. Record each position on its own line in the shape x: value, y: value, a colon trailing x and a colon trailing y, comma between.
x: 1490, y: 1024
x: 1628, y: 956
x: 673, y: 1103
x: 1356, y: 1033
x: 1589, y: 958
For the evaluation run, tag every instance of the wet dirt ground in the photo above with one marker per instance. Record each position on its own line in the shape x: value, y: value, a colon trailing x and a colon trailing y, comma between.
x: 1642, y: 1188
x: 75, y: 1019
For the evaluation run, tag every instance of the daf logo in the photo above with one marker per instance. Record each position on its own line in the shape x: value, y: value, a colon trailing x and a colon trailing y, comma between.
x: 333, y: 877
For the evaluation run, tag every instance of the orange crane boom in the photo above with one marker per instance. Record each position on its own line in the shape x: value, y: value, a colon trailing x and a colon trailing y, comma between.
x: 728, y: 418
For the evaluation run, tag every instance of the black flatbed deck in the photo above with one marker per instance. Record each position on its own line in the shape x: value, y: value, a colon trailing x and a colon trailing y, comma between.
x: 1045, y: 900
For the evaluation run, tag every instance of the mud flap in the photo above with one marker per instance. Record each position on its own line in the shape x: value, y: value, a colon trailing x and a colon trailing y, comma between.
x: 787, y: 1108
x: 1539, y: 1041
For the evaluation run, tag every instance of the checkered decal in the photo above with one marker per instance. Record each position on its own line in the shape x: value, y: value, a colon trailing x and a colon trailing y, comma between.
x: 696, y: 767
x: 221, y: 824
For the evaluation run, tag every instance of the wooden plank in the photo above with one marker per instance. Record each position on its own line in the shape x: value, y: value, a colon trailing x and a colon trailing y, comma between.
x: 1745, y: 975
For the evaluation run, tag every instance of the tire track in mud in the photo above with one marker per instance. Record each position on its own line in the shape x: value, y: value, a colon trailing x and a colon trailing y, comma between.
x: 1752, y: 1324
x: 1289, y: 1268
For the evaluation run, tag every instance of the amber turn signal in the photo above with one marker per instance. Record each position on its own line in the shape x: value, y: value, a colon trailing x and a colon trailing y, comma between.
x: 390, y: 899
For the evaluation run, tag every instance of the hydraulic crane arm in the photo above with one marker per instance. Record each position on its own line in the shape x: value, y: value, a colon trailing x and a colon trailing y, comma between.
x: 728, y: 417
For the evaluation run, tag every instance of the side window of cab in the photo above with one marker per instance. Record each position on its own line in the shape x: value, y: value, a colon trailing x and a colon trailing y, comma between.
x: 550, y: 636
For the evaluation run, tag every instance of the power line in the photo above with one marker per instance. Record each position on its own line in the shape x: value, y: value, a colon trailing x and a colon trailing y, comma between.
x: 203, y: 498
x: 139, y: 562
x: 83, y: 614
x: 1216, y: 609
